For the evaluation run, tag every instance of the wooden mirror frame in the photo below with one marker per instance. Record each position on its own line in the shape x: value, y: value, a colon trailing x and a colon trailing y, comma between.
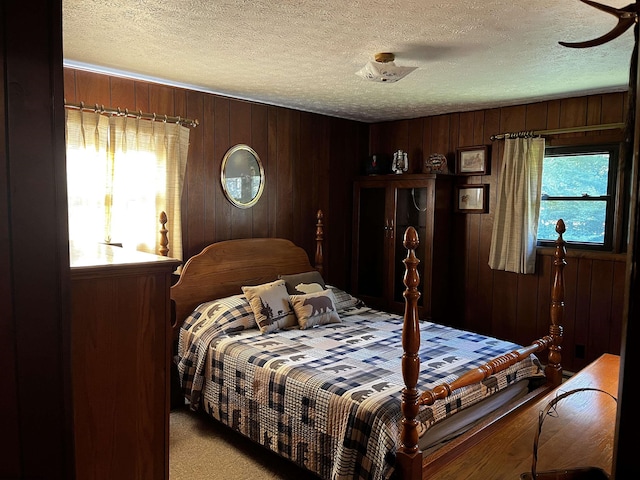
x: 245, y: 151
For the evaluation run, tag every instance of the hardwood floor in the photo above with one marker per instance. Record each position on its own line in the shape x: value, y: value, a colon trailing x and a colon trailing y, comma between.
x: 579, y: 432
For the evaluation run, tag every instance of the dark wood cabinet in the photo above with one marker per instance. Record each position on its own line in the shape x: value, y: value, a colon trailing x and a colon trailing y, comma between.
x: 384, y: 206
x: 120, y: 337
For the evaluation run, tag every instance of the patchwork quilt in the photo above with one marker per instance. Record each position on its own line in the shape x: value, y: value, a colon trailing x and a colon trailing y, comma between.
x: 329, y: 397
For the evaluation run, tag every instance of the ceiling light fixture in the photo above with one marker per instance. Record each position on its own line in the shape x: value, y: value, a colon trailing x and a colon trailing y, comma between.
x: 383, y: 69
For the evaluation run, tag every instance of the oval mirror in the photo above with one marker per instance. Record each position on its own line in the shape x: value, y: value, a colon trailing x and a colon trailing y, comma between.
x: 242, y: 176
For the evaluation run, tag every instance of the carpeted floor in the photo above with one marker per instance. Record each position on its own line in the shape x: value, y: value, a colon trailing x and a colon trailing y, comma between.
x: 201, y: 448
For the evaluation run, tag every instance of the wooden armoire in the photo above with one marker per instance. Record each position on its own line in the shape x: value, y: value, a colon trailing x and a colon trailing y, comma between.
x: 384, y: 206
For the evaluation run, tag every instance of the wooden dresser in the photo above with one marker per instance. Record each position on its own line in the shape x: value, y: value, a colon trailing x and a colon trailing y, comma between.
x: 120, y: 362
x: 581, y: 434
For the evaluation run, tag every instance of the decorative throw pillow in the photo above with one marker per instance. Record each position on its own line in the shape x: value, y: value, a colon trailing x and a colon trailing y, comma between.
x: 270, y: 305
x: 316, y: 308
x: 302, y: 283
x: 345, y: 301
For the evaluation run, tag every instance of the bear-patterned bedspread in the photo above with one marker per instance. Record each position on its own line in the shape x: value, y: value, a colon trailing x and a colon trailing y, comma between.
x: 329, y: 398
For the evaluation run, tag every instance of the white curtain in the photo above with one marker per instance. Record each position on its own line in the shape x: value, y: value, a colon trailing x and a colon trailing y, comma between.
x: 515, y: 225
x: 121, y: 174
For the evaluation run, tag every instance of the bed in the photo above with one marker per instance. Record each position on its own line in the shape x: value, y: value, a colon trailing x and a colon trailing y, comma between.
x: 301, y: 367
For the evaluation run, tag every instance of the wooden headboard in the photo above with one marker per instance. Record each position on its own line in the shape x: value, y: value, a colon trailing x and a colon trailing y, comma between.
x: 222, y: 268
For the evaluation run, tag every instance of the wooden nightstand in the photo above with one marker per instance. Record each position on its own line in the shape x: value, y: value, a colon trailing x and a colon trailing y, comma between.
x: 580, y: 435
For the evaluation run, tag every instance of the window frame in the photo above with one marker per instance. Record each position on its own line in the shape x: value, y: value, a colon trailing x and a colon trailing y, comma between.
x: 612, y: 213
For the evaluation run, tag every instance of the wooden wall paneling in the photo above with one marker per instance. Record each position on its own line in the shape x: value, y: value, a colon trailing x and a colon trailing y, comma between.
x: 93, y: 89
x: 260, y: 143
x: 286, y: 150
x: 440, y: 127
x: 162, y: 101
x: 398, y: 136
x: 295, y: 177
x: 536, y: 116
x: 211, y: 175
x: 505, y: 291
x: 454, y: 124
x: 180, y: 102
x: 143, y: 97
x: 221, y: 143
x: 594, y: 110
x: 573, y: 112
x: 272, y: 176
x: 427, y: 145
x: 415, y: 147
x: 526, y: 308
x: 466, y: 136
x: 326, y: 176
x: 470, y: 224
x: 123, y: 93
x: 376, y: 138
x: 600, y: 318
x: 513, y: 119
x: 480, y: 136
x: 314, y: 159
x: 240, y: 132
x: 583, y: 311
x: 617, y: 307
x: 348, y: 140
x: 304, y: 182
x: 70, y: 85
x: 614, y: 108
x: 194, y: 179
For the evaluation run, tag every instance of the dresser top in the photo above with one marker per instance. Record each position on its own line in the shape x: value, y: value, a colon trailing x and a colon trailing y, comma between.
x: 91, y: 256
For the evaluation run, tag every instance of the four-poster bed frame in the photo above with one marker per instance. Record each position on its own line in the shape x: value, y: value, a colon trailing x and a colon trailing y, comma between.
x: 222, y: 268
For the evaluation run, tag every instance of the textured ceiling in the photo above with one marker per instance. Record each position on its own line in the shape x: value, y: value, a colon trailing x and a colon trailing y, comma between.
x: 303, y: 54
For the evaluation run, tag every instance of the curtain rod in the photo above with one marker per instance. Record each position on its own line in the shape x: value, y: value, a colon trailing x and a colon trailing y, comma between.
x: 126, y: 113
x: 535, y: 133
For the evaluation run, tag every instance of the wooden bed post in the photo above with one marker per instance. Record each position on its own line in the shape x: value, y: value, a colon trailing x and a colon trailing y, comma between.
x: 409, y: 456
x: 164, y: 239
x: 319, y: 238
x: 553, y: 370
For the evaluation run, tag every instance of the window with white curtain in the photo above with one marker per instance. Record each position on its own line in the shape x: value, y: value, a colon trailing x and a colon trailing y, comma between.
x: 121, y: 173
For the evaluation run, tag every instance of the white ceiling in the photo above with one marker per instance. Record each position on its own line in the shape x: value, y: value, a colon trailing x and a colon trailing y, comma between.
x: 303, y: 54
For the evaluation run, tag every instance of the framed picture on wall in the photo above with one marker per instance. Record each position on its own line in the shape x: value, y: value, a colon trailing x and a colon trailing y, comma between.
x: 472, y: 160
x: 471, y: 198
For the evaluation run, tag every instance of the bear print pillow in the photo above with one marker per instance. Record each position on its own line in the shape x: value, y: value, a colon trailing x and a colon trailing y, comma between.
x: 317, y: 308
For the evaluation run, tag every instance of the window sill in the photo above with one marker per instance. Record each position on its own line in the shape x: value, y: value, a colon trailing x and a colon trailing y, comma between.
x: 579, y: 253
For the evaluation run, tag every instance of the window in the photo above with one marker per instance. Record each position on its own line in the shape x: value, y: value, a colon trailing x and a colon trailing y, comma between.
x: 121, y: 174
x: 578, y: 185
